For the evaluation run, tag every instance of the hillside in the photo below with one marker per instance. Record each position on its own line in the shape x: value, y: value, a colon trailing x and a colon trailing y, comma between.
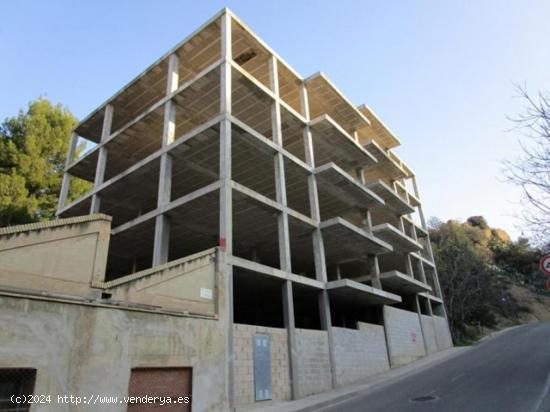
x: 489, y: 281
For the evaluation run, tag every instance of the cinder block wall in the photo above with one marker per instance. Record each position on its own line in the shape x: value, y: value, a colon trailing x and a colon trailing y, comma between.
x: 428, y: 329
x: 442, y: 333
x: 404, y: 336
x: 244, y: 367
x: 359, y: 353
x: 313, y: 369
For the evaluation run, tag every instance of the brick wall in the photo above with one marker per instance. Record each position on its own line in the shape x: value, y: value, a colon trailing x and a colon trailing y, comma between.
x: 442, y: 333
x: 428, y: 329
x: 313, y: 369
x: 244, y: 368
x: 404, y: 336
x: 359, y: 353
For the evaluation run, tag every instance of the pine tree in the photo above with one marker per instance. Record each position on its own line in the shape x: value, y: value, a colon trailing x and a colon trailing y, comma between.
x: 33, y: 147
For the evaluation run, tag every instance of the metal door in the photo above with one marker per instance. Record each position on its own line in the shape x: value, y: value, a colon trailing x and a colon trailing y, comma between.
x: 262, y: 367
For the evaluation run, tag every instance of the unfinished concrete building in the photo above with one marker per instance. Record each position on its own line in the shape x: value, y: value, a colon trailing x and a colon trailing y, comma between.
x: 320, y: 269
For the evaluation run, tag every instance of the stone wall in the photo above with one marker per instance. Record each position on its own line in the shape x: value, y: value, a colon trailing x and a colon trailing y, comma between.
x: 428, y: 329
x: 83, y: 349
x: 442, y: 333
x: 359, y: 353
x: 404, y: 336
x: 244, y: 367
x: 313, y: 369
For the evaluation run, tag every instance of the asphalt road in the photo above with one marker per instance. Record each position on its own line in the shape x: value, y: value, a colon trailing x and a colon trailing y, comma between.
x: 510, y: 372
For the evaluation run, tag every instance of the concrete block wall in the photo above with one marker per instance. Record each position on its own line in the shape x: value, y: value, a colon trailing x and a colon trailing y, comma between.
x: 359, y: 353
x: 244, y: 367
x: 378, y: 350
x: 442, y: 333
x: 313, y: 369
x: 428, y: 329
x: 404, y: 336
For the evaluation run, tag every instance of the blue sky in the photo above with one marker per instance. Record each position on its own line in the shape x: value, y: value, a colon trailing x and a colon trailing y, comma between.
x: 439, y: 73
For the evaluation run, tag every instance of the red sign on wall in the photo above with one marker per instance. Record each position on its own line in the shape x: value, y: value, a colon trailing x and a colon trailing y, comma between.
x: 544, y: 264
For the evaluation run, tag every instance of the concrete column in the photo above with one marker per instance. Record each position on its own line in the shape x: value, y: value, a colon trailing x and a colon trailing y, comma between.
x: 283, y: 229
x: 419, y: 311
x: 429, y: 307
x: 173, y: 74
x: 102, y: 158
x: 375, y: 271
x: 360, y: 175
x: 367, y: 220
x: 64, y: 192
x: 161, y: 245
x: 318, y: 245
x: 162, y: 240
x: 288, y: 314
x: 165, y: 180
x: 280, y: 179
x: 437, y: 290
x: 66, y: 183
x: 338, y: 272
x: 420, y: 267
x: 226, y: 207
x: 402, y: 225
x: 408, y: 265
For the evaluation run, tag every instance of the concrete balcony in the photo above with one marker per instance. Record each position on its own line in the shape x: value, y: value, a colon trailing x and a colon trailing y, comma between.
x: 392, y: 200
x: 378, y: 130
x: 412, y: 199
x: 354, y: 292
x: 423, y: 259
x: 386, y: 165
x: 420, y: 231
x: 338, y: 192
x: 401, y: 283
x: 346, y: 242
x: 331, y: 143
x: 400, y: 241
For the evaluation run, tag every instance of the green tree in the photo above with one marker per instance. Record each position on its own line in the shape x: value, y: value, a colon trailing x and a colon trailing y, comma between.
x: 33, y: 147
x: 474, y: 287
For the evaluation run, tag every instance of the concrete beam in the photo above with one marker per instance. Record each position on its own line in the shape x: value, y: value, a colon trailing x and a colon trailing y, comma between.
x: 102, y: 157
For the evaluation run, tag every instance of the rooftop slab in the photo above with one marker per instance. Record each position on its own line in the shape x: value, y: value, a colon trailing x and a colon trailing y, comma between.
x: 378, y: 131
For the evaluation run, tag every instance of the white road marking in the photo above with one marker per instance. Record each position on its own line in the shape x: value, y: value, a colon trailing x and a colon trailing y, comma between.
x: 457, y: 377
x: 543, y: 395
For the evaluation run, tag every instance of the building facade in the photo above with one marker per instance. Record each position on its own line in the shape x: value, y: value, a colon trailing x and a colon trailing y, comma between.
x: 248, y: 230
